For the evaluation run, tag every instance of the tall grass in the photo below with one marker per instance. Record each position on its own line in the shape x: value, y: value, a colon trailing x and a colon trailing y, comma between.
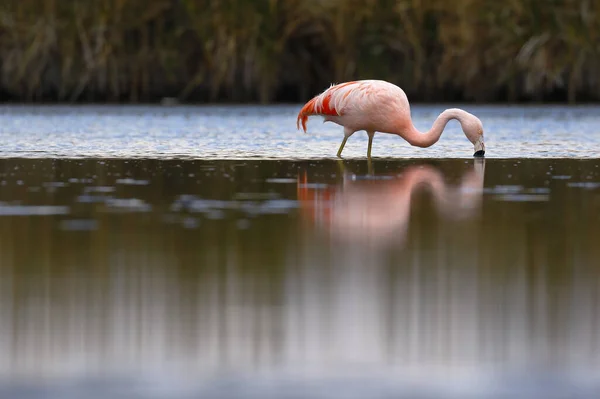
x: 273, y: 50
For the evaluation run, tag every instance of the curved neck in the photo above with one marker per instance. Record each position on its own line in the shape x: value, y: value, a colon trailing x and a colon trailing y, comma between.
x: 419, y: 139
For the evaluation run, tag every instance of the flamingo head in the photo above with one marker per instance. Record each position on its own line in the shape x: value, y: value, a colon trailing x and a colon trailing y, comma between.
x: 479, y: 146
x: 473, y: 129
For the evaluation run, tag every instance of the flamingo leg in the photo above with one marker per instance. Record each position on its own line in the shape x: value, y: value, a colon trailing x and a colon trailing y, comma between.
x: 339, y: 153
x: 347, y: 133
x: 371, y: 134
x: 341, y: 167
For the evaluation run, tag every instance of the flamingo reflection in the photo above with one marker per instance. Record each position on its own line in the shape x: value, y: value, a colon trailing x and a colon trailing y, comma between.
x: 376, y: 210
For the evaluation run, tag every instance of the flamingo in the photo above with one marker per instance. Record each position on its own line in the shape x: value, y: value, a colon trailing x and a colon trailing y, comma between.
x: 380, y: 106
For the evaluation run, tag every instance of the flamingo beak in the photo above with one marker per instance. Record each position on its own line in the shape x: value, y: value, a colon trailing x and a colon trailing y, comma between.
x: 479, y: 148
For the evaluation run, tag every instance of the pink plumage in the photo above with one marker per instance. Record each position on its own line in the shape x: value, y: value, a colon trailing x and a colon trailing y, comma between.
x: 379, y: 106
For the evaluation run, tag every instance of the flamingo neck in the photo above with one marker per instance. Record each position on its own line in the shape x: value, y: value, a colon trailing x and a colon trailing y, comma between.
x: 426, y: 139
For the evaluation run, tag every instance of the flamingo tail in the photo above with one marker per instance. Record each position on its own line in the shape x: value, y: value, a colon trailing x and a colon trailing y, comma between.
x: 319, y: 105
x: 305, y: 112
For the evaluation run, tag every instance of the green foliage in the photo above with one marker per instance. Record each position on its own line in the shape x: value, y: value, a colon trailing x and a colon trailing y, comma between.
x: 269, y: 50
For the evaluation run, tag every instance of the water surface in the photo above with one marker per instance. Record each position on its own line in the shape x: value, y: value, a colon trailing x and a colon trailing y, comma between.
x: 173, y: 278
x: 269, y: 132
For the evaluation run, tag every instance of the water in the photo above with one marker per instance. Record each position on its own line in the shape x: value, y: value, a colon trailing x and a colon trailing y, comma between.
x: 131, y: 269
x: 269, y: 132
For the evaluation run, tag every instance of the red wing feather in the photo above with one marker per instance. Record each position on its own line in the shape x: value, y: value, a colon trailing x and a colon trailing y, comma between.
x: 308, y: 109
x: 324, y: 109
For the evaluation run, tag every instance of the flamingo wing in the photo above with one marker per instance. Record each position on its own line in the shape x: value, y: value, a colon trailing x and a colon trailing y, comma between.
x: 333, y: 101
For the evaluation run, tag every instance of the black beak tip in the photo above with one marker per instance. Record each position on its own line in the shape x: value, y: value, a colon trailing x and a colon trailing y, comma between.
x: 479, y: 153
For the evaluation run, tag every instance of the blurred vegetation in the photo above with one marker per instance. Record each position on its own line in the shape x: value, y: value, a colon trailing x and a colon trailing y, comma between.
x: 288, y: 50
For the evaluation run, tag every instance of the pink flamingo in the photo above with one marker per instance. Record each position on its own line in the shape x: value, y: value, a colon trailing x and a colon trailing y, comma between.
x: 379, y: 106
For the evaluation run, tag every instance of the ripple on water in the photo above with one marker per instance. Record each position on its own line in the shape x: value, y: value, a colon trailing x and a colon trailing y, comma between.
x: 255, y: 196
x: 132, y: 182
x: 503, y: 190
x: 79, y: 225
x: 523, y: 197
x: 82, y: 180
x: 33, y: 210
x: 128, y: 205
x: 248, y: 203
x: 99, y: 189
x: 586, y: 185
x: 281, y: 180
x: 54, y: 184
x: 190, y: 223
x: 517, y: 193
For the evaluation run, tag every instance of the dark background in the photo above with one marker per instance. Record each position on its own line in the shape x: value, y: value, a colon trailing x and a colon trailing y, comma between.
x: 289, y: 50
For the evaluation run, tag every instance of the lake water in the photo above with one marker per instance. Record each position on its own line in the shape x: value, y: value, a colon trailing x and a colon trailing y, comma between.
x: 192, y: 252
x: 269, y: 132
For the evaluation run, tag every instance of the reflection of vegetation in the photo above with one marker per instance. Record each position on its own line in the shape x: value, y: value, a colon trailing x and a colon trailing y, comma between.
x: 143, y: 287
x: 264, y: 50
